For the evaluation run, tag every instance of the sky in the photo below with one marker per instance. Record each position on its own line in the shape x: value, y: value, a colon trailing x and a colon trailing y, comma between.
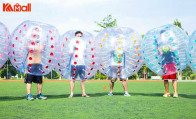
x: 140, y: 15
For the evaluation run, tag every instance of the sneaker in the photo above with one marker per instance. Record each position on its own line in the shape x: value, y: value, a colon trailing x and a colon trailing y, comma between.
x: 110, y: 94
x: 70, y: 96
x: 41, y: 97
x: 30, y: 97
x: 166, y: 94
x: 127, y: 94
x: 175, y: 95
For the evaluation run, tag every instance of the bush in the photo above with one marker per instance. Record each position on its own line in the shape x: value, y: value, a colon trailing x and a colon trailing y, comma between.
x: 55, y: 75
x: 133, y: 77
x: 192, y: 76
x: 99, y: 75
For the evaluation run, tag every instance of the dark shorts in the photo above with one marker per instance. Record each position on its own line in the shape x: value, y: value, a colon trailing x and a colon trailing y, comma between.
x: 35, y: 75
x: 33, y: 78
x: 78, y: 70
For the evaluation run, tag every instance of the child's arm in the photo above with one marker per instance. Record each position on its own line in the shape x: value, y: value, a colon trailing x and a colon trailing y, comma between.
x: 172, y: 49
x: 160, y: 52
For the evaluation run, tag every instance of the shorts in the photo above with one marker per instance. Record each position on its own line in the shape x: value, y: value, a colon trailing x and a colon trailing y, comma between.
x: 35, y: 69
x: 172, y: 77
x: 35, y: 74
x: 114, y: 73
x: 78, y: 70
x: 33, y: 78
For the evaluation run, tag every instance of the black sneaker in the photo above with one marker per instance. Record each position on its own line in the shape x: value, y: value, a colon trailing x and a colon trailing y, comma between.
x: 41, y: 97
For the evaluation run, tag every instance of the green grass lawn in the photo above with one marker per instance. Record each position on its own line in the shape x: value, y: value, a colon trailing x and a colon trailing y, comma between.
x: 146, y: 101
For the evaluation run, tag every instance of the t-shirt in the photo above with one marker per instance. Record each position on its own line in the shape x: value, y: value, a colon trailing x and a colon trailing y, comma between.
x: 117, y: 56
x: 168, y: 57
x: 77, y: 46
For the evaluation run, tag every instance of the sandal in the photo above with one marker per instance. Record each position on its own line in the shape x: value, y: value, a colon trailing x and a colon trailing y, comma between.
x: 166, y: 94
x: 175, y: 95
x: 85, y: 96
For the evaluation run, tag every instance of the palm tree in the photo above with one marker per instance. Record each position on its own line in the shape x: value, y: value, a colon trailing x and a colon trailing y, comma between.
x: 177, y: 23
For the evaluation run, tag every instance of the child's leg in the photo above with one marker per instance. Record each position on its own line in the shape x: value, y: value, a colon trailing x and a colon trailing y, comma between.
x: 124, y: 83
x: 166, y: 84
x: 174, y: 83
x: 111, y: 85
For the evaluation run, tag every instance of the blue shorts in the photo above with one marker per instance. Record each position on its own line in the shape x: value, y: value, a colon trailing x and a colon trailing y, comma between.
x: 35, y: 74
x: 114, y: 73
x: 78, y: 70
x: 35, y: 69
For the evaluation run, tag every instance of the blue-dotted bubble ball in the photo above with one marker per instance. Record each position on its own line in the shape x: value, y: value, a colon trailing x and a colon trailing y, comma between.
x: 119, y: 51
x: 164, y: 49
x: 78, y: 56
x: 191, y: 51
x: 34, y: 48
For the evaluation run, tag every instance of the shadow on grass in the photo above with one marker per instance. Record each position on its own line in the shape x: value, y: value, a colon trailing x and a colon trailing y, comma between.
x: 10, y: 98
x: 187, y: 96
x: 144, y: 94
x: 94, y: 95
x: 160, y: 95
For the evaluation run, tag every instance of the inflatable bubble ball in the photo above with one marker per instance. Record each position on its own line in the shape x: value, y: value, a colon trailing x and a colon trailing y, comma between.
x: 78, y: 56
x: 34, y: 48
x: 119, y: 51
x: 191, y: 51
x: 164, y: 49
x: 4, y: 44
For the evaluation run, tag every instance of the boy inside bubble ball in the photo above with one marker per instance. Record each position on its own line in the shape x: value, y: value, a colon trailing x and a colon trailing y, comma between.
x: 77, y: 49
x: 168, y: 63
x: 34, y: 66
x: 117, y: 66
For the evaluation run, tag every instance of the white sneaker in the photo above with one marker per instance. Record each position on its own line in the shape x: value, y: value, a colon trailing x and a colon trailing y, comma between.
x: 127, y: 94
x: 110, y: 94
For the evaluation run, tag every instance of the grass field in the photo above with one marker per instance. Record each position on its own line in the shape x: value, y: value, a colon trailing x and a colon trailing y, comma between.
x: 146, y: 101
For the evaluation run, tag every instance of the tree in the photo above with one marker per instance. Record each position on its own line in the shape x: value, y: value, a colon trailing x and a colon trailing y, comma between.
x: 144, y: 71
x: 55, y: 75
x: 107, y: 21
x: 177, y: 23
x: 11, y: 70
x: 187, y: 73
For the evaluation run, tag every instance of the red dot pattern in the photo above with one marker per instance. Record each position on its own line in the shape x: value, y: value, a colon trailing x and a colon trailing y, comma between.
x: 90, y: 64
x: 51, y: 54
x: 49, y: 61
x: 20, y: 43
x: 31, y: 51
